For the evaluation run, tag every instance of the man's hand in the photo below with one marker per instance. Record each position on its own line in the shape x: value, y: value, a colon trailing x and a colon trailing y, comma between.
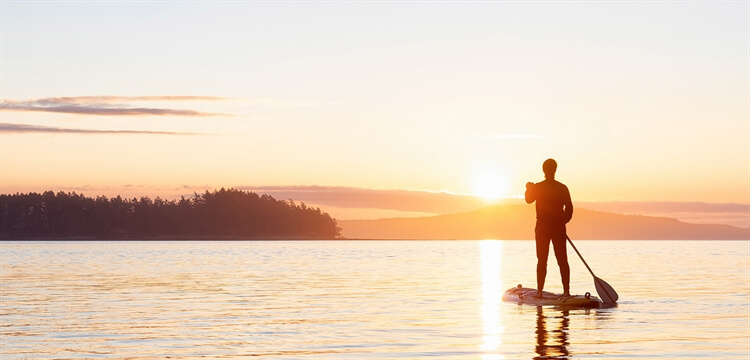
x: 529, y: 196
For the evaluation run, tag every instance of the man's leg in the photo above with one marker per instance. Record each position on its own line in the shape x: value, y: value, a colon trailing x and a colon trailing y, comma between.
x: 542, y: 253
x: 558, y: 242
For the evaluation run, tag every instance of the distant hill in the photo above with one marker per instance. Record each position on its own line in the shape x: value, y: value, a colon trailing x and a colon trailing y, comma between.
x: 513, y: 222
x: 222, y: 214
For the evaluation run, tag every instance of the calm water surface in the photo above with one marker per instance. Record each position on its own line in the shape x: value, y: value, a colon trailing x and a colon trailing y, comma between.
x: 368, y: 299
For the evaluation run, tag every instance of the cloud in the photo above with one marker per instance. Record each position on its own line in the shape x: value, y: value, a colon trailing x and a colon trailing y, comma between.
x: 349, y: 197
x: 665, y: 207
x: 107, y: 105
x: 512, y: 136
x: 693, y: 212
x: 431, y: 202
x: 112, y: 99
x: 282, y: 103
x: 6, y: 128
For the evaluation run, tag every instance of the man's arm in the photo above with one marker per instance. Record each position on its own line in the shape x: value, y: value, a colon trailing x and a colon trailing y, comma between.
x: 568, y: 206
x: 530, y: 194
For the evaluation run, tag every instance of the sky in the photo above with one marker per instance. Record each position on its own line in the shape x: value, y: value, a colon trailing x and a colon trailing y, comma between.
x: 645, y: 101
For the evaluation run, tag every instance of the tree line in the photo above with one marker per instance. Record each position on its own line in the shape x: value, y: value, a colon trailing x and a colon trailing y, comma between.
x: 221, y: 214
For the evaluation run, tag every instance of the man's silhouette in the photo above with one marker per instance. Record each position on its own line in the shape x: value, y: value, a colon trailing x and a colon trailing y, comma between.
x: 554, y: 209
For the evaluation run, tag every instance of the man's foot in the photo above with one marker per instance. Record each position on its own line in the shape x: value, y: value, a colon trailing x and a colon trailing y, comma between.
x: 539, y: 294
x: 566, y: 293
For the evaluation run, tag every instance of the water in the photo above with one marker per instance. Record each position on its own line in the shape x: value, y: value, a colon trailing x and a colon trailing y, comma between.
x: 367, y: 299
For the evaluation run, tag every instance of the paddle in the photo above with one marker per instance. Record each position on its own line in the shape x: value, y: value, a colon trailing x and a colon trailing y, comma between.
x: 605, y: 291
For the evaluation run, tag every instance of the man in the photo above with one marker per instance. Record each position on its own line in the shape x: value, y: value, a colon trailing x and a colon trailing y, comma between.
x: 554, y: 209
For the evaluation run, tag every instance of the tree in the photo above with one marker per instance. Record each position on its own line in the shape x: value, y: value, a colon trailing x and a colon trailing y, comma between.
x: 224, y: 213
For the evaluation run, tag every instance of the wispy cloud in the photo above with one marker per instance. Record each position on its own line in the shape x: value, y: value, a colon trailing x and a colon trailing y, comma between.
x: 664, y: 206
x: 492, y: 136
x: 285, y: 103
x: 444, y: 202
x: 6, y: 128
x: 511, y: 136
x: 107, y: 105
x: 118, y: 99
x: 695, y: 212
x: 350, y: 197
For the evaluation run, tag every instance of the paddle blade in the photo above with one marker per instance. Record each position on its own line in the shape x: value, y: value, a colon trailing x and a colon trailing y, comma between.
x: 605, y: 291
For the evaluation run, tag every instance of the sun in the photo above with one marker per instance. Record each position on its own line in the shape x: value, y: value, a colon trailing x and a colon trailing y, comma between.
x: 490, y: 185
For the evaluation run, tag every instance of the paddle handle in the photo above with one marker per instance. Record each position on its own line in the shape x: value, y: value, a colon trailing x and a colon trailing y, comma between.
x: 579, y: 255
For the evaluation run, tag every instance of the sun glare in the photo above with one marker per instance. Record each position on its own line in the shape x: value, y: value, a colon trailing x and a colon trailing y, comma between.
x: 492, y: 284
x: 490, y: 185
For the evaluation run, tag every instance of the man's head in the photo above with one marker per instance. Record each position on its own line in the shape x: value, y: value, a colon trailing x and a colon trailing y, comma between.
x: 549, y: 167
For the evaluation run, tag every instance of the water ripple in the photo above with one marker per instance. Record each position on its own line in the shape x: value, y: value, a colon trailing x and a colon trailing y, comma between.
x: 344, y: 300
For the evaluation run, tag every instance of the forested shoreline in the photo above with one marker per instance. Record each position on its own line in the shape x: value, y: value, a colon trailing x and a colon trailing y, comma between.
x: 221, y: 214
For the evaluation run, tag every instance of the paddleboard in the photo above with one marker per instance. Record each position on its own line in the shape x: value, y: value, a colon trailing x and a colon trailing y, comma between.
x: 524, y: 295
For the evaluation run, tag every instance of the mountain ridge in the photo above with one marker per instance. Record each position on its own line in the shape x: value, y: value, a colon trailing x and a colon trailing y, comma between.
x: 516, y: 222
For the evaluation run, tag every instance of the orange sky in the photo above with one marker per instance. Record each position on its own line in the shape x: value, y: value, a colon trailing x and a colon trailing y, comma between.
x: 637, y: 101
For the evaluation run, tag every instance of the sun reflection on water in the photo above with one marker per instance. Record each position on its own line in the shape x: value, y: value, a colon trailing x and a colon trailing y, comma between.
x: 491, y: 254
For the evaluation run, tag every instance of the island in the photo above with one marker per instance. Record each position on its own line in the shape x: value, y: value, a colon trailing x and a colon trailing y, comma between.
x: 225, y: 214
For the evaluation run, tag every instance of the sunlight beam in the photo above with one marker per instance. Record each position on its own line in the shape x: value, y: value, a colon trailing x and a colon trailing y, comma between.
x: 491, y: 254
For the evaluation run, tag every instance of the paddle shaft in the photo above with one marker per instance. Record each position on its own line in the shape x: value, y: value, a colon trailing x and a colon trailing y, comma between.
x: 579, y: 255
x: 605, y: 291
